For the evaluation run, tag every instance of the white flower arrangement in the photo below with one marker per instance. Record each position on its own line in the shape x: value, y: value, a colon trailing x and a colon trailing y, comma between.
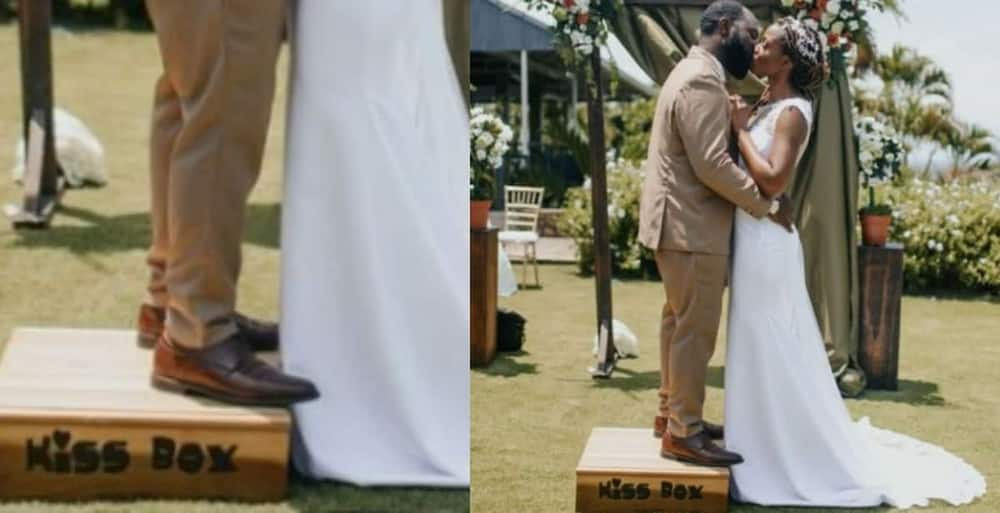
x: 490, y: 140
x: 581, y: 25
x: 880, y: 155
x: 842, y: 23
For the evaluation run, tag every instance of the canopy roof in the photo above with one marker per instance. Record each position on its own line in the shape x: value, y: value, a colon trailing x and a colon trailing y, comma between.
x: 505, y: 26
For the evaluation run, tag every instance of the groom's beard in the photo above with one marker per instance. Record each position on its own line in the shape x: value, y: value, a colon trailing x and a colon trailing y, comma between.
x: 737, y: 57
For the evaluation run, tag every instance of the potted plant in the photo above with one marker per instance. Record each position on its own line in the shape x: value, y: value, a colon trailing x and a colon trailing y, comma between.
x: 490, y: 139
x: 880, y: 154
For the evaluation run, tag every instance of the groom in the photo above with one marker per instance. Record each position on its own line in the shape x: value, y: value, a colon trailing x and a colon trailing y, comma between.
x: 691, y: 189
x: 210, y: 116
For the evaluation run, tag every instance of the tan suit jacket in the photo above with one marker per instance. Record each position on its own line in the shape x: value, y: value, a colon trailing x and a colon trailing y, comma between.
x: 691, y: 182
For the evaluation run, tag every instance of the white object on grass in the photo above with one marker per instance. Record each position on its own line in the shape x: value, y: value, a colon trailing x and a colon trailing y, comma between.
x: 78, y: 151
x: 626, y: 342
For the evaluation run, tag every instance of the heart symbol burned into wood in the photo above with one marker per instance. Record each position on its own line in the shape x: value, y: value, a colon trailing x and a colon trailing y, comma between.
x: 61, y: 438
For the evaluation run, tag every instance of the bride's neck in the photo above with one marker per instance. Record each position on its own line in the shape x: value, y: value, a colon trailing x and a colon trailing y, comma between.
x: 779, y: 89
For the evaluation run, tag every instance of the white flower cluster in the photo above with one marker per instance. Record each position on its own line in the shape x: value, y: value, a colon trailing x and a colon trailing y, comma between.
x: 879, y: 150
x: 578, y: 22
x: 575, y: 14
x: 490, y: 138
x: 840, y: 21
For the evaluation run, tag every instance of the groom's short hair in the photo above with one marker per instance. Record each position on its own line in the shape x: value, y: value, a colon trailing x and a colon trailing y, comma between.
x: 728, y: 9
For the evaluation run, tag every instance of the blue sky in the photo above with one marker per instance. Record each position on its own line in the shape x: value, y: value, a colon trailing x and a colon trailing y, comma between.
x: 961, y: 36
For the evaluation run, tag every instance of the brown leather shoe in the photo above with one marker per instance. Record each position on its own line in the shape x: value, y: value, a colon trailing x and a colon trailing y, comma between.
x: 715, y: 431
x: 262, y: 336
x: 698, y: 449
x: 227, y: 371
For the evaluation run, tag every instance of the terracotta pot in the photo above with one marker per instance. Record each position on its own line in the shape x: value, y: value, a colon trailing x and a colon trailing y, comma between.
x: 479, y: 212
x: 875, y: 229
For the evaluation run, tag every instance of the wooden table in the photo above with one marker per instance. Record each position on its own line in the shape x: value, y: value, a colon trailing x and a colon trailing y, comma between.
x: 881, y: 280
x: 483, y: 293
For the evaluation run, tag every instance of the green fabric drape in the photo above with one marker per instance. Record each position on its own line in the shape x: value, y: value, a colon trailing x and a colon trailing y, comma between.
x: 824, y: 188
x: 456, y: 26
x: 825, y: 192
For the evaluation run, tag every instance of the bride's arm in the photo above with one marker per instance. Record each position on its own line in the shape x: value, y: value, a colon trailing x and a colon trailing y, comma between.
x: 790, y: 132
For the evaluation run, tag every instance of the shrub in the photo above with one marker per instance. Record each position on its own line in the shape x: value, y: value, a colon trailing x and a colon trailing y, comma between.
x: 951, y: 233
x: 628, y: 257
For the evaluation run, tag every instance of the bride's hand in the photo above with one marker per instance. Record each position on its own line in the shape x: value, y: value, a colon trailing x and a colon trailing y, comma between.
x: 740, y: 112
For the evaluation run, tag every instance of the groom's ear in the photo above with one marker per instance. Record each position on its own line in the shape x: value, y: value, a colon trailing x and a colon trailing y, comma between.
x: 725, y: 27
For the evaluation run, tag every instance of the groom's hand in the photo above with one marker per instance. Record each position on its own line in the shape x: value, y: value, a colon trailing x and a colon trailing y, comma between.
x: 784, y: 214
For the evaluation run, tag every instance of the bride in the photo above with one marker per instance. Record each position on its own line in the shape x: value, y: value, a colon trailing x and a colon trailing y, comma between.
x: 783, y: 411
x: 375, y: 241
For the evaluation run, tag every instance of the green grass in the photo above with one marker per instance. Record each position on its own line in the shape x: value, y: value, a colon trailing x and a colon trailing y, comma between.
x: 533, y: 411
x: 88, y: 270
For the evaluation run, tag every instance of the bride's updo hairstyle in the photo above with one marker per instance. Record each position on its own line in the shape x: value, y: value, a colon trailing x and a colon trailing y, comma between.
x: 804, y: 46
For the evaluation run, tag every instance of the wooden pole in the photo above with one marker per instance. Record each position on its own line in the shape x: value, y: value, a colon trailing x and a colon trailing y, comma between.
x: 34, y: 24
x: 599, y: 199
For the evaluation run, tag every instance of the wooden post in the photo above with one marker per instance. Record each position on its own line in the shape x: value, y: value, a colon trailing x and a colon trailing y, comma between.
x: 881, y: 271
x: 606, y: 353
x: 483, y: 294
x: 34, y: 23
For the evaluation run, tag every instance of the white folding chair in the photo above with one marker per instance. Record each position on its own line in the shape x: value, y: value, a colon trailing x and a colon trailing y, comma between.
x: 523, y: 205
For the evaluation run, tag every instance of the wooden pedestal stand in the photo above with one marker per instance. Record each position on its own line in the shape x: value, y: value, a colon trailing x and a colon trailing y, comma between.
x: 483, y: 293
x: 881, y: 277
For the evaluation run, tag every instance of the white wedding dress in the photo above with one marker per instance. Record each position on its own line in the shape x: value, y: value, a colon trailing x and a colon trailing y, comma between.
x: 783, y: 411
x: 375, y: 245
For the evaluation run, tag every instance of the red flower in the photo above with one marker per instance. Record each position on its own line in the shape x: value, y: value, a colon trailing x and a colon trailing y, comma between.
x: 821, y: 5
x: 581, y: 18
x: 832, y: 39
x: 816, y: 14
x: 568, y: 3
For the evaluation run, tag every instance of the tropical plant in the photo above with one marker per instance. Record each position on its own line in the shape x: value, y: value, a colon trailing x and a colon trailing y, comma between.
x: 970, y: 147
x: 915, y: 96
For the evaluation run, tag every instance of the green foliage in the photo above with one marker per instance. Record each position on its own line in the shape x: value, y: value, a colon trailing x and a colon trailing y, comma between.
x: 536, y: 174
x: 628, y: 257
x: 636, y: 122
x: 951, y: 233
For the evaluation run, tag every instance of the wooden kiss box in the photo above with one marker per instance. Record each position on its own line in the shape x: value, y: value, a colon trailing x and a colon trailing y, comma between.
x: 621, y: 471
x: 79, y: 420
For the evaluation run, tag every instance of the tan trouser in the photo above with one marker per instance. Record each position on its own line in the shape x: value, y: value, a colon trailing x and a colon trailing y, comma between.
x: 693, y: 283
x: 210, y: 116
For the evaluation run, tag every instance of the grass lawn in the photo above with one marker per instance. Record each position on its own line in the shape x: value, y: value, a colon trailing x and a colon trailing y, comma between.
x: 533, y: 411
x: 88, y: 270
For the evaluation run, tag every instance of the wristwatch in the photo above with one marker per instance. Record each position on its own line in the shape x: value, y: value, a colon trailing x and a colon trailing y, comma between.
x: 775, y: 207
